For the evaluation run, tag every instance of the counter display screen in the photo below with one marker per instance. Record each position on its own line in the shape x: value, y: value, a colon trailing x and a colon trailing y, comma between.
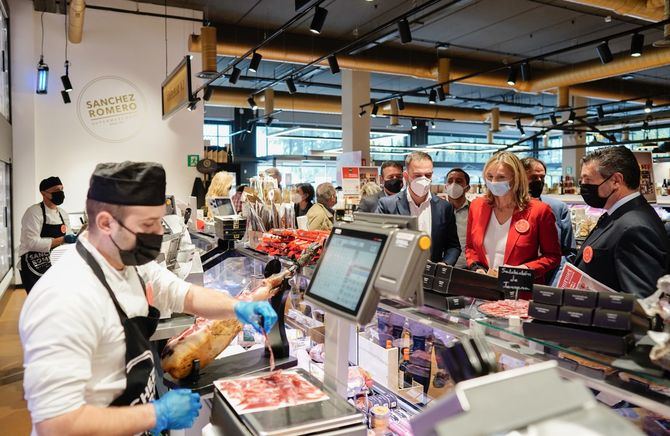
x: 346, y: 269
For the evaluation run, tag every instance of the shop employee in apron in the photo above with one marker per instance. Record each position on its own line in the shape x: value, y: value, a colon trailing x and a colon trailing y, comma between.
x: 86, y: 325
x: 44, y: 227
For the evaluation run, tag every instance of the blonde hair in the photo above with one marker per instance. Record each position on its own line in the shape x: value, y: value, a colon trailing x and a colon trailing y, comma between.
x: 519, y: 182
x: 369, y: 189
x: 221, y: 183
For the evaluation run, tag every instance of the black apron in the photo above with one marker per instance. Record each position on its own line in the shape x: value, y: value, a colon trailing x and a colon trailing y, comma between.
x: 140, y: 371
x: 34, y: 263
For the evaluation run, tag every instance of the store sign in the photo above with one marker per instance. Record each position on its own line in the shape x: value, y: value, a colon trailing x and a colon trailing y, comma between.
x: 354, y: 178
x: 111, y: 109
x: 193, y: 160
x: 176, y: 89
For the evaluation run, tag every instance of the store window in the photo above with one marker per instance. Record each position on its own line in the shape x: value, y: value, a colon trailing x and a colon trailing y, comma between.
x: 307, y: 171
x: 218, y: 134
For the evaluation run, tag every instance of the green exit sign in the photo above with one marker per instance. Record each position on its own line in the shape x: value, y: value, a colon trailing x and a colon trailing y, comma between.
x: 193, y: 160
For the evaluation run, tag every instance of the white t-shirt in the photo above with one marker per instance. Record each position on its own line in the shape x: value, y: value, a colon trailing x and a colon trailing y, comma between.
x: 495, y: 241
x: 73, y: 341
x: 31, y: 227
x: 423, y: 213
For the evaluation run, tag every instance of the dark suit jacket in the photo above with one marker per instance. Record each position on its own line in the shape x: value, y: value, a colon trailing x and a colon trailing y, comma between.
x: 521, y: 248
x: 369, y: 204
x: 445, y: 245
x: 630, y: 252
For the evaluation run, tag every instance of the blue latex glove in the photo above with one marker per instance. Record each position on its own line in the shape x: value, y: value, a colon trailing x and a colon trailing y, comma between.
x: 250, y: 312
x: 176, y: 410
x: 70, y: 238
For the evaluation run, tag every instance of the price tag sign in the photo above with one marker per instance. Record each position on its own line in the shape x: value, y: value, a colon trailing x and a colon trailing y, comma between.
x: 514, y: 280
x: 193, y: 160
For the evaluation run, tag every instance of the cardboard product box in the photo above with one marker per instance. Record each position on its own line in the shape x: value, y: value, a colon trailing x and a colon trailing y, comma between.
x: 616, y: 301
x: 613, y: 319
x: 580, y: 298
x: 428, y: 282
x: 544, y: 312
x: 547, y: 295
x: 575, y: 315
x: 455, y: 303
x: 443, y: 271
x: 431, y: 267
x: 440, y: 285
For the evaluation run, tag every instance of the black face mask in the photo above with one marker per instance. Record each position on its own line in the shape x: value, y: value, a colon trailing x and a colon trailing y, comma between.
x: 590, y: 195
x: 58, y: 197
x: 147, y: 247
x: 535, y: 188
x: 393, y: 185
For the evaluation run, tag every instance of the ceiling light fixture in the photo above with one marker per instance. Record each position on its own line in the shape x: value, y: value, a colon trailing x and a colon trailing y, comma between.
x: 648, y: 106
x: 332, y: 63
x: 208, y: 93
x: 571, y: 118
x: 375, y: 109
x: 290, y: 84
x: 414, y: 126
x: 67, y: 85
x: 440, y: 93
x: 432, y: 124
x: 234, y: 75
x: 432, y: 96
x: 636, y: 45
x: 66, y: 96
x: 520, y: 127
x: 401, y: 103
x: 601, y: 112
x: 252, y: 103
x: 604, y: 52
x: 405, y: 32
x: 553, y: 119
x: 361, y: 113
x: 511, y: 76
x: 255, y: 62
x: 319, y: 18
x: 42, y: 68
x: 193, y: 104
x: 525, y: 71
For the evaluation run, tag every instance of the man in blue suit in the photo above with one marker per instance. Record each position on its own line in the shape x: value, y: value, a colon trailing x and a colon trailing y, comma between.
x: 435, y: 216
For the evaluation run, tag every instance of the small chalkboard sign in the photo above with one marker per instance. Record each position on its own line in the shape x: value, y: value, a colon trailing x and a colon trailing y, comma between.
x: 514, y: 280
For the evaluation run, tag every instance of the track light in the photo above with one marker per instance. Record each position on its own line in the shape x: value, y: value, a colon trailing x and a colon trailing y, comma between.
x: 255, y: 62
x: 414, y: 126
x: 193, y: 104
x: 361, y: 113
x: 66, y: 96
x: 604, y: 52
x: 290, y: 84
x: 269, y: 121
x: 440, y: 93
x: 332, y: 63
x: 401, y: 104
x: 601, y: 112
x: 525, y: 71
x: 648, y: 106
x: 67, y: 86
x: 553, y: 119
x: 375, y: 109
x: 250, y: 126
x: 432, y: 124
x: 571, y: 118
x: 42, y: 77
x: 252, y: 103
x: 636, y: 45
x: 511, y: 76
x: 405, y: 33
x: 432, y: 96
x: 234, y: 75
x: 319, y: 18
x: 208, y: 93
x: 520, y: 127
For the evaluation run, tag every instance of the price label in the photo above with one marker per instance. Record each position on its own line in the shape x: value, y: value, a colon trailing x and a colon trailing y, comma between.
x: 514, y: 280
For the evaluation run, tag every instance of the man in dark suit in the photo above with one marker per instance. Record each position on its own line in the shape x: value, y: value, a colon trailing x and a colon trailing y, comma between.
x: 435, y: 215
x: 391, y: 181
x: 629, y: 248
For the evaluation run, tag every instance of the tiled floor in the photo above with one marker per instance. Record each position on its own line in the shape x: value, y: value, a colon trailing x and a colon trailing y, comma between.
x: 14, y: 417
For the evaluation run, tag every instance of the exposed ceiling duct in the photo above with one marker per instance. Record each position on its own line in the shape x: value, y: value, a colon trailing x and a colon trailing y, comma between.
x: 648, y: 10
x: 75, y: 30
x: 237, y: 97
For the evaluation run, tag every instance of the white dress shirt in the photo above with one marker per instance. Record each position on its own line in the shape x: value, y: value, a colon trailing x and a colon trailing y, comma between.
x: 73, y: 341
x: 423, y: 213
x: 462, y: 229
x: 495, y: 241
x: 621, y: 202
x: 31, y: 227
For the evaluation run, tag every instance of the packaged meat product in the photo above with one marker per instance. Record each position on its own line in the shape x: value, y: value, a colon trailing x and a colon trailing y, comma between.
x: 505, y: 309
x: 317, y: 353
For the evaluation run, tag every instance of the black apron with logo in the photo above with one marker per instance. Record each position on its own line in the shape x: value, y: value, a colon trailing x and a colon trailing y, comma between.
x: 140, y: 371
x: 34, y: 263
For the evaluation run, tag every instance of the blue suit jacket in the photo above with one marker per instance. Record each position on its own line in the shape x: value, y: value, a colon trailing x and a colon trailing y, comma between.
x: 445, y: 245
x: 566, y: 235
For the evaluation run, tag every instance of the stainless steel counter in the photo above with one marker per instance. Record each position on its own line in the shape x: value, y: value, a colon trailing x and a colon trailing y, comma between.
x: 172, y: 326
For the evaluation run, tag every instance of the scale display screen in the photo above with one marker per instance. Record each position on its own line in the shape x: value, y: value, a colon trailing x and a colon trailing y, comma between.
x: 346, y: 268
x: 221, y: 206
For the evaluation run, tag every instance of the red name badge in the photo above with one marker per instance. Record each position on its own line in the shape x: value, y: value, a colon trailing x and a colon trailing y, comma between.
x: 522, y: 226
x: 588, y: 254
x: 63, y: 229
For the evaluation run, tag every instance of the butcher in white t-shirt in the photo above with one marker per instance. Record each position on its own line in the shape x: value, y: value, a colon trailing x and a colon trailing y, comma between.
x: 85, y: 327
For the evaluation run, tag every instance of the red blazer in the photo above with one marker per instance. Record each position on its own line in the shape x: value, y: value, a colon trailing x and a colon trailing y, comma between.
x: 522, y: 246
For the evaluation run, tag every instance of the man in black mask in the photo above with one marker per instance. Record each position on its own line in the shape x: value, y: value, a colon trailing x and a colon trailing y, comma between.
x: 44, y: 226
x: 392, y: 183
x: 628, y: 250
x: 536, y: 171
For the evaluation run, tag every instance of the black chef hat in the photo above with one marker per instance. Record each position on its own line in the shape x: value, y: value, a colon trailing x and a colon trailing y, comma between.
x: 128, y: 184
x: 49, y: 182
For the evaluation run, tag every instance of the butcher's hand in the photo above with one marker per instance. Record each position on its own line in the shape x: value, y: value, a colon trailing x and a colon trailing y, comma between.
x: 249, y: 312
x: 176, y: 410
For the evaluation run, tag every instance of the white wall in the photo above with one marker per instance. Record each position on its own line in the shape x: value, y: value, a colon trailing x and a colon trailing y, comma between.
x: 49, y: 138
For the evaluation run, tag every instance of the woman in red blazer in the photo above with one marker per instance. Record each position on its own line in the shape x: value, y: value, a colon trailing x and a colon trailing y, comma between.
x: 507, y: 227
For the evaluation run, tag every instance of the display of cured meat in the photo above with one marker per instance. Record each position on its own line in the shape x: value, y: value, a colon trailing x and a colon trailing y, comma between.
x: 294, y: 244
x: 505, y: 308
x: 268, y: 391
x: 207, y: 338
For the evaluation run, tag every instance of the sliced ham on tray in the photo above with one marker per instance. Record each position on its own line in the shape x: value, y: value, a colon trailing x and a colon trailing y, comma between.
x: 505, y: 308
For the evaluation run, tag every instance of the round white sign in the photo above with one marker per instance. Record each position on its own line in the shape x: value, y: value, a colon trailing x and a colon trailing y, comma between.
x: 111, y: 109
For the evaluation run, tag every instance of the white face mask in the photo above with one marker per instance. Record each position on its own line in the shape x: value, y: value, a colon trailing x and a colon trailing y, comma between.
x: 455, y: 190
x: 498, y: 188
x: 420, y: 186
x: 296, y: 198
